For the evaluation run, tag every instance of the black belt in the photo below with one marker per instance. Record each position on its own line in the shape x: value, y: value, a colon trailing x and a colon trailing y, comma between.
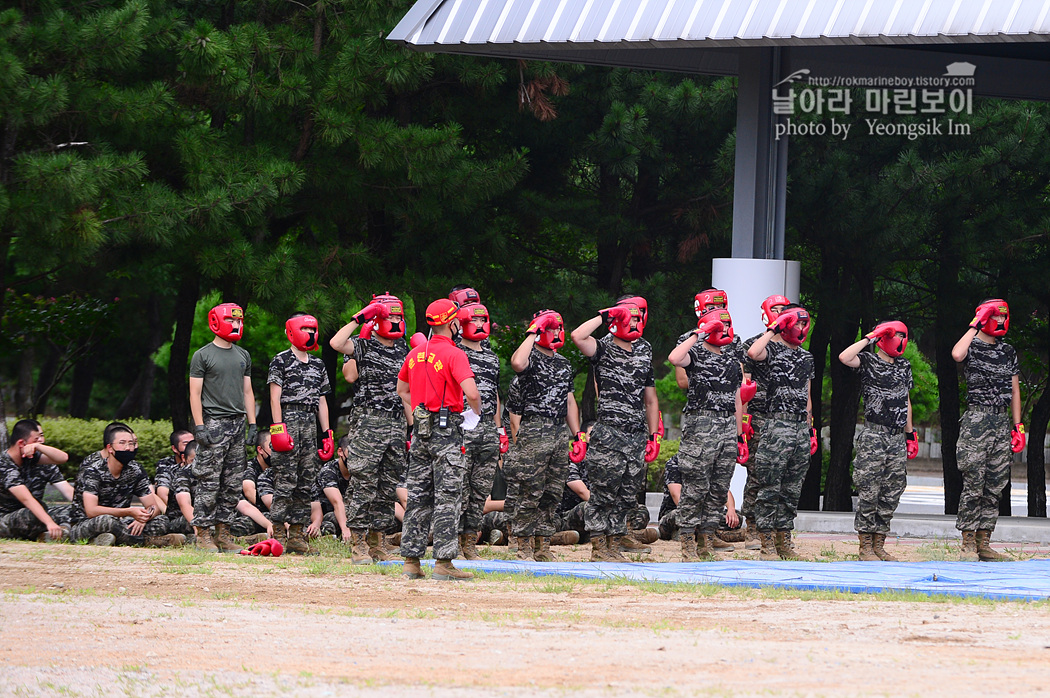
x: 787, y: 416
x: 883, y: 427
x: 298, y: 407
x: 711, y: 413
x: 986, y: 409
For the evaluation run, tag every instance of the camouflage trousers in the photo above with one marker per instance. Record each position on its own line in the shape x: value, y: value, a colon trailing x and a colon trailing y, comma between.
x: 24, y: 525
x: 329, y: 526
x: 119, y: 527
x: 615, y: 476
x: 669, y: 525
x: 779, y: 468
x: 538, y: 468
x: 984, y: 462
x: 436, y: 469
x: 494, y: 520
x: 295, y: 471
x: 879, y: 475
x: 219, y: 470
x: 376, y: 462
x: 706, y: 459
x: 177, y: 523
x: 242, y: 526
x: 747, y: 503
x: 575, y: 519
x: 482, y: 444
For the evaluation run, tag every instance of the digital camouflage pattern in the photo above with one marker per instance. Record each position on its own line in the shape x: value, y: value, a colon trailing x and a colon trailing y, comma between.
x: 706, y: 459
x: 779, y: 467
x: 885, y: 386
x: 714, y: 380
x: 88, y: 529
x: 485, y: 365
x: 436, y: 469
x: 538, y: 467
x: 757, y: 404
x: 111, y: 492
x: 377, y: 368
x: 329, y: 476
x: 376, y: 462
x: 24, y: 525
x: 616, y: 473
x: 262, y: 479
x: 482, y: 444
x: 302, y: 383
x: 181, y: 481
x: 989, y: 370
x: 577, y: 471
x: 785, y: 374
x: 34, y: 477
x: 879, y: 475
x: 218, y: 469
x: 984, y: 457
x: 295, y: 471
x: 544, y: 386
x: 672, y: 476
x: 163, y: 473
x: 622, y: 377
x: 514, y: 403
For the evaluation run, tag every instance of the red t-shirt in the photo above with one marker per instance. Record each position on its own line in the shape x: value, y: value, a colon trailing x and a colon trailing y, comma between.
x: 434, y: 372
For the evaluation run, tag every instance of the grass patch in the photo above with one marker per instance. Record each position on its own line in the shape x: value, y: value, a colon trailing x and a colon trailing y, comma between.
x: 187, y: 562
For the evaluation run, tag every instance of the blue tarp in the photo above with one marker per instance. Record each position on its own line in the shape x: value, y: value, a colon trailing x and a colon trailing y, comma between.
x: 1004, y: 580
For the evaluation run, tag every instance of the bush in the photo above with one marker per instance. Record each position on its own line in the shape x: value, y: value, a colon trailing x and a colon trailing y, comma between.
x: 654, y: 477
x: 79, y: 437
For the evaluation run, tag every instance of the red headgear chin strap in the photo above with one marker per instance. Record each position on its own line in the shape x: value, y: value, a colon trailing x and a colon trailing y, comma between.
x: 219, y: 319
x: 302, y: 332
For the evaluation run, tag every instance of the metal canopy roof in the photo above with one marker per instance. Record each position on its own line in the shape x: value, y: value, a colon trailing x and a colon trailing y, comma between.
x: 721, y: 23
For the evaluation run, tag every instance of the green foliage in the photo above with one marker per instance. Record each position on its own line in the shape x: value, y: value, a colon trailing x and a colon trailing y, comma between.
x: 654, y: 475
x: 672, y: 398
x: 80, y: 437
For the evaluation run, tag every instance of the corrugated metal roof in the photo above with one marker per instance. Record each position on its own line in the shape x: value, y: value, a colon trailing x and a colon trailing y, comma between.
x: 713, y: 23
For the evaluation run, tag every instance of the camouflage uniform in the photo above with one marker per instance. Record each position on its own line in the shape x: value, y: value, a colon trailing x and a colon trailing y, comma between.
x: 984, y: 433
x: 115, y: 493
x: 757, y: 409
x: 302, y: 385
x: 181, y: 480
x: 330, y: 476
x: 435, y: 491
x: 243, y: 525
x: 540, y: 460
x: 376, y: 460
x: 513, y: 405
x: 162, y: 477
x: 572, y: 512
x: 668, y: 515
x: 879, y: 471
x: 481, y: 442
x: 15, y: 520
x: 707, y: 454
x: 616, y: 452
x: 781, y: 463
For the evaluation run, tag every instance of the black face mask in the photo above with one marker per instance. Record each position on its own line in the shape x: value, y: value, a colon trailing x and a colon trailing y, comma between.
x: 125, y: 457
x: 32, y: 460
x: 265, y: 459
x: 456, y: 333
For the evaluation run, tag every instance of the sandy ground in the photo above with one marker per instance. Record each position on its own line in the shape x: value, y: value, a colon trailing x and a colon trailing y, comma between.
x: 78, y: 620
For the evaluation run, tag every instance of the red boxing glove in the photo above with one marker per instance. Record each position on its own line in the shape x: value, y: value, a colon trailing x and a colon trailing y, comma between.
x: 783, y: 322
x: 504, y: 440
x: 747, y: 391
x: 709, y: 327
x: 327, y: 449
x: 372, y: 311
x: 814, y: 443
x: 984, y: 313
x: 652, y: 448
x: 366, y: 330
x: 260, y: 548
x: 280, y: 439
x: 660, y: 427
x: 912, y: 442
x: 746, y: 428
x: 616, y: 314
x: 408, y: 445
x: 543, y: 322
x: 1017, y: 438
x: 579, y: 447
x: 742, y: 451
x: 417, y: 340
x: 276, y: 549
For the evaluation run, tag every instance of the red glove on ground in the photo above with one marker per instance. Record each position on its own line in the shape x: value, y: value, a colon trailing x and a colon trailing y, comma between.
x: 747, y: 391
x: 652, y: 448
x: 579, y: 447
x: 372, y: 311
x: 814, y: 443
x: 261, y: 548
x: 742, y: 451
x: 504, y: 440
x: 1017, y: 438
x: 276, y: 549
x: 912, y: 441
x: 280, y: 439
x: 327, y: 449
x: 746, y: 428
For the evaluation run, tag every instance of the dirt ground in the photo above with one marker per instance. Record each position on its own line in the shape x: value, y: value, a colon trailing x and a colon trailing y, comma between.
x: 79, y: 620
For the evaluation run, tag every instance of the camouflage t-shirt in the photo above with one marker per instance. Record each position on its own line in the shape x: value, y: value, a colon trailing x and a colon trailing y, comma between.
x: 36, y: 478
x: 622, y: 377
x: 885, y: 389
x: 182, y: 480
x: 485, y: 365
x: 989, y: 370
x: 514, y: 396
x: 263, y: 480
x: 545, y: 385
x: 162, y: 476
x: 713, y: 379
x: 672, y: 476
x: 569, y: 499
x: 116, y: 493
x: 786, y: 373
x: 329, y: 475
x: 377, y: 368
x: 301, y: 382
x: 758, y: 404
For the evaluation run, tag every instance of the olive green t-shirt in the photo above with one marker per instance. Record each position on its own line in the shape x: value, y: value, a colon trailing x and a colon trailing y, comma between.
x: 223, y: 371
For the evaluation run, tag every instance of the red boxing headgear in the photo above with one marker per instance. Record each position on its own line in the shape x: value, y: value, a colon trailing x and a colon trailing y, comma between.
x: 623, y: 330
x: 642, y: 304
x: 893, y: 345
x: 464, y: 297
x: 302, y: 332
x: 796, y: 334
x: 393, y: 326
x: 721, y: 337
x: 552, y: 337
x: 710, y: 297
x: 219, y: 321
x: 471, y: 313
x: 768, y: 314
x: 991, y: 326
x: 441, y: 312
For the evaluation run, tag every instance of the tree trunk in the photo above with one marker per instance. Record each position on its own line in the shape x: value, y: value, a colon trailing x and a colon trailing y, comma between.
x: 947, y: 372
x: 845, y: 401
x: 178, y: 363
x: 24, y: 386
x: 83, y: 381
x: 1036, y: 462
x: 139, y: 398
x: 589, y: 406
x: 45, y: 381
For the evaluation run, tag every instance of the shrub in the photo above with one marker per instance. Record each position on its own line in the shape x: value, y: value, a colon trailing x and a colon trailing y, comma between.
x: 79, y: 437
x: 654, y: 477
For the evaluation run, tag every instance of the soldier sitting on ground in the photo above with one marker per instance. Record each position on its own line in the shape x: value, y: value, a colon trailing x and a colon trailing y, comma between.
x: 26, y: 469
x: 256, y: 492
